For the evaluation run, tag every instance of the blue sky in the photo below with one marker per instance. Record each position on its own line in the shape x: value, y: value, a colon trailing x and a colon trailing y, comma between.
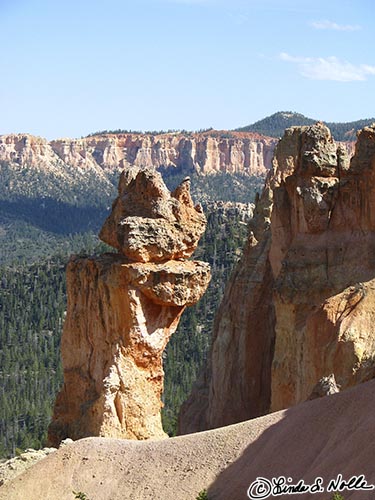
x: 70, y: 68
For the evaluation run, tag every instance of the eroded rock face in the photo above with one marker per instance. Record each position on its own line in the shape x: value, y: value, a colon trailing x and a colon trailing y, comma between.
x: 150, y: 224
x: 120, y: 317
x: 207, y: 153
x: 13, y: 467
x: 300, y: 304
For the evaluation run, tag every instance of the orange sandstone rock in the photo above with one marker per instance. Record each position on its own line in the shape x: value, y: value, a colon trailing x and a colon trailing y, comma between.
x: 150, y: 224
x: 120, y: 317
x: 300, y: 304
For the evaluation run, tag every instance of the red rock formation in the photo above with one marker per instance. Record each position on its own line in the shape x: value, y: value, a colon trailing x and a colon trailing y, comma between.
x: 157, y: 225
x: 300, y: 305
x: 121, y: 314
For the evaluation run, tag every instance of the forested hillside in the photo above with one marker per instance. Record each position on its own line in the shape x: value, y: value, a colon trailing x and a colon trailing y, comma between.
x: 274, y: 125
x: 33, y: 227
x: 50, y: 210
x: 32, y: 309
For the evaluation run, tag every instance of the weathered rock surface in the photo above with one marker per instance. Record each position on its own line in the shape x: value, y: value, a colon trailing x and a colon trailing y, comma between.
x: 325, y: 387
x: 120, y: 317
x: 13, y: 467
x: 300, y: 305
x: 206, y: 153
x: 148, y: 223
x: 9, y: 469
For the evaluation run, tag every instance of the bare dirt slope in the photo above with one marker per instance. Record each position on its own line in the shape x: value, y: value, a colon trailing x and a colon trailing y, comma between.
x: 324, y: 437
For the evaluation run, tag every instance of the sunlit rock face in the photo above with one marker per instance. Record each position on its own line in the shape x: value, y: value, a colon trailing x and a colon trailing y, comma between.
x: 150, y: 224
x: 206, y: 153
x: 300, y: 304
x: 122, y: 310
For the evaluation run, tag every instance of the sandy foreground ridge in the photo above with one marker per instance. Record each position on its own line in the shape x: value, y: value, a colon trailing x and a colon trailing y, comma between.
x: 326, y: 437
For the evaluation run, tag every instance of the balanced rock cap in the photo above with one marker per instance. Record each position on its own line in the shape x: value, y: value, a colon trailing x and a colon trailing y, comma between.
x: 150, y: 224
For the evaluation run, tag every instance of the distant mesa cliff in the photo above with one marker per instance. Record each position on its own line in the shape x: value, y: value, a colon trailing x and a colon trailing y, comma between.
x: 300, y: 305
x: 206, y: 153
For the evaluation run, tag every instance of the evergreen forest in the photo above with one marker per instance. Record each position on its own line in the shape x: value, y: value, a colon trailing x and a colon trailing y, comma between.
x: 275, y: 125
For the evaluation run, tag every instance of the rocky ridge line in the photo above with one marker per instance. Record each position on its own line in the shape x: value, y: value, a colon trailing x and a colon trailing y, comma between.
x: 246, y: 153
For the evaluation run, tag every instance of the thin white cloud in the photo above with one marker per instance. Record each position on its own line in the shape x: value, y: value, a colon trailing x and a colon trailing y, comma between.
x: 329, y: 68
x: 330, y: 25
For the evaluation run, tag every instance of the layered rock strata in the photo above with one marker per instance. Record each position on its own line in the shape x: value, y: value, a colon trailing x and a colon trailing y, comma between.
x: 206, y: 153
x: 122, y: 310
x: 300, y: 304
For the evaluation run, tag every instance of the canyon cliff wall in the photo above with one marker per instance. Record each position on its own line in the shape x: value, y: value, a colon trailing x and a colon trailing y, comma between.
x: 300, y: 304
x: 206, y: 153
x: 123, y: 308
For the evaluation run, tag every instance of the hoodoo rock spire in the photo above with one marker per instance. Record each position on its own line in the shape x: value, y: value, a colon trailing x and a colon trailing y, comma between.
x: 123, y: 308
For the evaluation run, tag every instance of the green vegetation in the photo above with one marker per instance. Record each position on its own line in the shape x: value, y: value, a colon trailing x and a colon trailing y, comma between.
x: 148, y: 132
x: 202, y: 495
x: 210, y: 188
x: 337, y: 496
x: 43, y: 219
x: 32, y: 304
x: 21, y: 242
x: 59, y: 184
x: 275, y: 125
x: 32, y: 310
x: 43, y: 213
x: 80, y: 495
x: 348, y: 131
x: 120, y: 131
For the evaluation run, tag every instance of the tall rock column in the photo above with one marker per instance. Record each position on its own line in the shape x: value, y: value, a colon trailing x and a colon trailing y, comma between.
x: 300, y: 305
x: 123, y: 308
